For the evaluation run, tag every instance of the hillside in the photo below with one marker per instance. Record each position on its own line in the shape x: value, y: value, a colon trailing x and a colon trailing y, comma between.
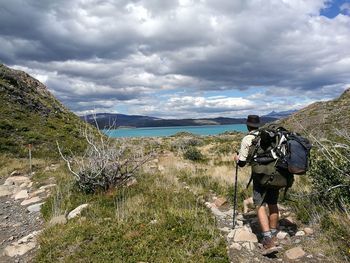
x: 108, y: 119
x: 31, y: 115
x: 322, y: 119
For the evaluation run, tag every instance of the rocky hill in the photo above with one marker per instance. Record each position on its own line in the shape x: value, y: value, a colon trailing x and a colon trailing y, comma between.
x: 31, y: 115
x: 322, y: 119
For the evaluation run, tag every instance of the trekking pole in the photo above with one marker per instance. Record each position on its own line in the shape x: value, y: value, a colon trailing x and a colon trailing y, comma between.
x: 235, y: 199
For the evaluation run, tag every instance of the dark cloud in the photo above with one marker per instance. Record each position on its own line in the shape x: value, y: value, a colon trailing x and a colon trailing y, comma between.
x: 105, y: 52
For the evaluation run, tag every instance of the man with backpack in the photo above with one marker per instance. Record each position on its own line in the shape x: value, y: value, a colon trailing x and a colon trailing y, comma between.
x: 275, y: 156
x: 261, y: 195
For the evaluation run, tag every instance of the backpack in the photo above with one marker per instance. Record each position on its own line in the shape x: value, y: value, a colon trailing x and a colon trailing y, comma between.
x: 276, y: 155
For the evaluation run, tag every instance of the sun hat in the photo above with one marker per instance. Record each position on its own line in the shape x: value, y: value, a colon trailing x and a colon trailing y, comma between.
x: 253, y: 121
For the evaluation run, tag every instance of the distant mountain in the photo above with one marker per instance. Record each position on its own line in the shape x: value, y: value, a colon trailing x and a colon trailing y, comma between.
x: 30, y: 114
x: 322, y: 119
x: 106, y: 120
x: 280, y: 114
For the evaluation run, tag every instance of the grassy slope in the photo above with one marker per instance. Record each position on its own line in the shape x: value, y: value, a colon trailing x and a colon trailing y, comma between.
x: 31, y: 115
x: 321, y: 119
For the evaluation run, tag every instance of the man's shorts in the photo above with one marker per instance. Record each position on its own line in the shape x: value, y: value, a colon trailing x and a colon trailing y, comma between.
x: 270, y: 198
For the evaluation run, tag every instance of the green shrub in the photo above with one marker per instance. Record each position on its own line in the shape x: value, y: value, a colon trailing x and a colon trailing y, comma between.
x: 193, y: 154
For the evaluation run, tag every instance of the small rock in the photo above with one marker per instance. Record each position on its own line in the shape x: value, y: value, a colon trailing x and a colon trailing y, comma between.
x: 153, y: 222
x: 15, y: 173
x: 58, y: 220
x: 30, y: 185
x: 231, y: 234
x: 23, y: 194
x: 236, y: 246
x: 242, y: 235
x: 16, y: 180
x: 225, y: 229
x: 74, y: 213
x: 308, y: 231
x: 31, y: 201
x: 5, y: 191
x: 47, y: 186
x: 297, y: 241
x: 18, y: 249
x: 300, y: 233
x: 249, y: 246
x: 37, y: 192
x: 35, y: 207
x: 220, y: 201
x: 282, y: 235
x: 310, y: 256
x: 17, y: 224
x: 132, y: 181
x: 295, y: 253
x: 24, y: 185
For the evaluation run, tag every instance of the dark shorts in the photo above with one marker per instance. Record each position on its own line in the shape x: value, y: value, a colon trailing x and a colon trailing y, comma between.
x: 270, y: 196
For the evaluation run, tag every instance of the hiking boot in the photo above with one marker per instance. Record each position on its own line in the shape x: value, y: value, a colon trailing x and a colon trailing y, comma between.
x: 269, y: 246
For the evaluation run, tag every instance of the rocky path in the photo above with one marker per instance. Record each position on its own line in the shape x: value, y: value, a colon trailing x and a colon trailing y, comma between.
x: 20, y: 218
x: 243, y: 241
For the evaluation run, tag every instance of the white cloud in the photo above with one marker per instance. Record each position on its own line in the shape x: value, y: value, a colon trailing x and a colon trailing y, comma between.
x: 126, y: 52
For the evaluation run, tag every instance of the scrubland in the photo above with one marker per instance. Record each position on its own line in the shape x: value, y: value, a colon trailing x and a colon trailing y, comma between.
x: 159, y: 215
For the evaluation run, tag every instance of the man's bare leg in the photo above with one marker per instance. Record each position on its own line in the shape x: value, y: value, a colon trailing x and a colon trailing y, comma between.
x: 263, y: 219
x: 273, y: 217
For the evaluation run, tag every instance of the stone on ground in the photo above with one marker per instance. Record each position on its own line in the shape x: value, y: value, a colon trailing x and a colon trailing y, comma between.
x: 5, y: 191
x: 47, y: 186
x: 236, y: 246
x: 17, y: 180
x: 23, y: 194
x: 220, y: 201
x: 300, y: 233
x: 31, y: 201
x: 35, y: 207
x: 308, y: 231
x: 295, y: 253
x: 18, y: 249
x: 249, y: 246
x: 282, y: 235
x: 74, y: 213
x: 242, y: 235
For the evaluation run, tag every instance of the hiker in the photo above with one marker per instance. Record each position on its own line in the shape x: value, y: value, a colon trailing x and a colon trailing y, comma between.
x: 261, y: 195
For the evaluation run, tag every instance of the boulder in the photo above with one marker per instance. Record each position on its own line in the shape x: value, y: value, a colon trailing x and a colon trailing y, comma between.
x: 76, y: 212
x: 295, y: 253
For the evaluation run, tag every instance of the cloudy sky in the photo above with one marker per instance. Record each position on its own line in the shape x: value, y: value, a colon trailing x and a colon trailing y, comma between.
x: 181, y: 58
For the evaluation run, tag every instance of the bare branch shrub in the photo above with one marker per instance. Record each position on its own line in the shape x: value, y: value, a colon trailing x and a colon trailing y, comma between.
x: 107, y: 163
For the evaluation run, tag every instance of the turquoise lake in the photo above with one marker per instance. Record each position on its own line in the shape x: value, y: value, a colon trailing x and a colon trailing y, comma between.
x: 168, y: 131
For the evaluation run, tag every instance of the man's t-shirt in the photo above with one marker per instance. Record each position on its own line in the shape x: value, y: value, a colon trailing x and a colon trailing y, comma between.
x: 245, y: 144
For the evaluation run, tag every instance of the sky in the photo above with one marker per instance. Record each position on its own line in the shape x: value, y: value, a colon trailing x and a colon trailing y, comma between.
x: 183, y: 58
